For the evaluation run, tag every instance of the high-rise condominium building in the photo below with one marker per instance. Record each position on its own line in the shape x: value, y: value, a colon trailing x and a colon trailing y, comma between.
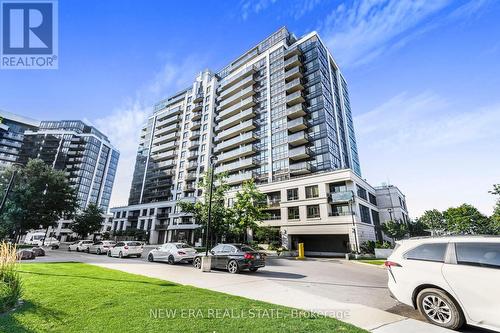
x: 82, y: 151
x: 12, y: 128
x: 279, y: 114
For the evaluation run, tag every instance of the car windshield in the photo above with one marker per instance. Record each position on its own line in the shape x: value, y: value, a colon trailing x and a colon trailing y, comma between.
x: 245, y: 248
x: 182, y: 246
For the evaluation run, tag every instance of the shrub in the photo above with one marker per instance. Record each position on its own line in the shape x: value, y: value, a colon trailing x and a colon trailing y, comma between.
x: 10, y: 281
x: 369, y: 247
x: 274, y: 245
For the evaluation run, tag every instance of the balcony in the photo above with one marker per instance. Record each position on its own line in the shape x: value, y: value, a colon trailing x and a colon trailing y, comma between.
x: 194, y: 135
x: 165, y: 138
x: 165, y: 130
x: 191, y: 166
x: 195, y: 125
x: 198, y: 98
x: 196, y: 115
x: 233, y: 79
x: 242, y: 94
x: 295, y: 98
x: 297, y: 139
x: 197, y: 107
x: 296, y: 111
x: 348, y: 213
x: 189, y: 188
x: 239, y: 178
x: 248, y: 81
x: 192, y: 155
x: 343, y: 196
x: 236, y: 130
x: 296, y: 125
x: 291, y: 52
x: 165, y: 156
x: 237, y: 118
x: 164, y: 147
x: 235, y: 142
x: 300, y: 168
x: 292, y: 62
x: 194, y: 145
x: 237, y: 153
x: 273, y: 203
x: 161, y: 165
x: 161, y: 226
x: 293, y: 86
x: 165, y: 121
x: 293, y: 74
x: 238, y: 165
x: 243, y: 105
x: 299, y: 153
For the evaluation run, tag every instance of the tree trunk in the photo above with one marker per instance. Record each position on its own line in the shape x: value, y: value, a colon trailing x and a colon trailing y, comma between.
x: 46, y: 232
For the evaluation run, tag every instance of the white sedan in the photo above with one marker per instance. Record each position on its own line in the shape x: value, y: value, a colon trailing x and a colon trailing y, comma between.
x: 49, y: 241
x: 126, y: 249
x: 80, y: 246
x: 172, y: 253
x: 101, y: 247
x: 450, y: 280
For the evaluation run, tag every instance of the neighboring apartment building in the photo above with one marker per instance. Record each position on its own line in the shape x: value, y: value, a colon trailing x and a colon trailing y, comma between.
x: 392, y: 203
x: 12, y: 128
x: 279, y: 114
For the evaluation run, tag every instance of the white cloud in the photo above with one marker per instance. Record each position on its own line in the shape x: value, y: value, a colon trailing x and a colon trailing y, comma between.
x: 124, y: 123
x: 361, y: 31
x: 293, y: 8
x: 438, y: 153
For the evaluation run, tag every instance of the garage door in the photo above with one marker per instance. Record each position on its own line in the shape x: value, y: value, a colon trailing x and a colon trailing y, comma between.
x: 322, y: 243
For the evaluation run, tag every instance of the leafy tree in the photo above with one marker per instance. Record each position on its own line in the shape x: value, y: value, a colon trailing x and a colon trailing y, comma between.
x: 248, y: 209
x: 434, y: 220
x: 395, y: 229
x: 266, y: 234
x: 39, y: 197
x: 466, y: 219
x: 417, y: 228
x: 495, y: 218
x: 221, y: 217
x: 88, y: 221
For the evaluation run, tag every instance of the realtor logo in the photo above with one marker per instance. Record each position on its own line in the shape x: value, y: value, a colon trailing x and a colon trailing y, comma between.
x: 28, y: 34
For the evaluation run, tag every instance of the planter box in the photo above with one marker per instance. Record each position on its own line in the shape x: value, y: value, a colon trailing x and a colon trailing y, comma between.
x: 382, y: 253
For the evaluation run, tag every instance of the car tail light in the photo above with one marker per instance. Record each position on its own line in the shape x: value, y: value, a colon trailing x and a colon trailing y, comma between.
x: 389, y: 263
x: 248, y: 256
x: 181, y: 252
x: 125, y: 247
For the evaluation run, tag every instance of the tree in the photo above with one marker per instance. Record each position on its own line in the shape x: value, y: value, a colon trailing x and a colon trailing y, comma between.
x: 495, y: 218
x: 467, y: 220
x: 395, y: 229
x: 266, y: 234
x: 417, y: 228
x: 248, y: 209
x: 434, y: 220
x: 221, y: 217
x: 88, y: 221
x: 39, y: 197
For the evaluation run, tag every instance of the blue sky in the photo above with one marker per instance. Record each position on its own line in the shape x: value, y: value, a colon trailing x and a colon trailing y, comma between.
x: 424, y: 78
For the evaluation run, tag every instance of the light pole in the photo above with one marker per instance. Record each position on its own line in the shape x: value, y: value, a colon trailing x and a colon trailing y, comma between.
x: 210, y: 192
x: 351, y: 203
x: 9, y: 187
x: 390, y: 213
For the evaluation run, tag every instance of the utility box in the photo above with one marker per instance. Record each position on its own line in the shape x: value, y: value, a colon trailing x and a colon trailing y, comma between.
x: 206, y: 264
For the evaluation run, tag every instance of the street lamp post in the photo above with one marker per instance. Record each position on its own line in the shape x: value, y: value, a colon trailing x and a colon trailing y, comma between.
x: 351, y: 202
x: 207, y: 233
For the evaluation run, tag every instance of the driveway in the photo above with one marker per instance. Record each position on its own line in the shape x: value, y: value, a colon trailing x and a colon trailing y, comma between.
x: 315, y: 284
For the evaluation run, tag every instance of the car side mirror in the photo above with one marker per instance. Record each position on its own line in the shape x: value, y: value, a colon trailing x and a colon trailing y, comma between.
x: 212, y: 251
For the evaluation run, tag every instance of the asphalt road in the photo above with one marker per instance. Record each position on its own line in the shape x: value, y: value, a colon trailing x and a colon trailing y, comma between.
x: 337, y: 279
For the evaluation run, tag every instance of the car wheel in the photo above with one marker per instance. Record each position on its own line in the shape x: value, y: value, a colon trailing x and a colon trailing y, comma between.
x: 109, y: 253
x: 151, y: 258
x: 88, y: 250
x: 69, y: 249
x: 253, y: 269
x: 77, y: 249
x: 120, y: 255
x: 197, y: 262
x: 171, y: 260
x: 232, y: 267
x: 139, y: 255
x: 440, y: 309
x: 98, y: 251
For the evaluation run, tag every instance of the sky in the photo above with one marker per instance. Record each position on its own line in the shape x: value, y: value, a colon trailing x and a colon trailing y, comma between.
x: 424, y: 79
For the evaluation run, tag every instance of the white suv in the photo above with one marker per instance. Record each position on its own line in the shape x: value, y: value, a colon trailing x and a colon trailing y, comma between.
x: 451, y: 280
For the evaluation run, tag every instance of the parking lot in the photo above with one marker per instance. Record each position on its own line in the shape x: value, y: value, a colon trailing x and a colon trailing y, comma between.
x: 325, y: 281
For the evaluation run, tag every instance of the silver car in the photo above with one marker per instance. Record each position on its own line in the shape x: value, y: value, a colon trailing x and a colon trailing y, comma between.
x: 101, y: 247
x: 172, y: 253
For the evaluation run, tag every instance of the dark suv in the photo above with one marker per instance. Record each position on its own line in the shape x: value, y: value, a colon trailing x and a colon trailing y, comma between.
x: 233, y: 258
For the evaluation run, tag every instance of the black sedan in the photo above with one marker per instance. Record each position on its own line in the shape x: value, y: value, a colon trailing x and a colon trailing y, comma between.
x: 25, y: 254
x: 233, y: 258
x: 38, y: 251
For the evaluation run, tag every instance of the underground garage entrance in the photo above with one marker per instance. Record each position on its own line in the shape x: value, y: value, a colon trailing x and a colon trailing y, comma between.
x: 322, y: 245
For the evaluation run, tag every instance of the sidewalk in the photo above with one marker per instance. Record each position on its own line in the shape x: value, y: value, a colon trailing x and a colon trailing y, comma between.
x: 253, y: 287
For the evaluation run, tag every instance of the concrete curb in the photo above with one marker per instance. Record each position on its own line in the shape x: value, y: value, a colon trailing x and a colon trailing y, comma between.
x: 366, y: 264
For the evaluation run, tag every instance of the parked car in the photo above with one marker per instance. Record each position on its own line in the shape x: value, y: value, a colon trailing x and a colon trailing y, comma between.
x: 25, y: 254
x: 233, y: 258
x: 38, y: 251
x: 450, y: 280
x: 100, y: 247
x: 32, y: 238
x: 126, y: 249
x: 80, y: 246
x: 172, y: 253
x: 49, y: 241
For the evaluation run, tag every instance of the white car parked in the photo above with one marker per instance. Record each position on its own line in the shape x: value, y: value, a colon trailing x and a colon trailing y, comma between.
x: 172, y: 253
x: 451, y: 280
x: 80, y: 246
x: 49, y: 241
x: 126, y: 249
x: 101, y: 247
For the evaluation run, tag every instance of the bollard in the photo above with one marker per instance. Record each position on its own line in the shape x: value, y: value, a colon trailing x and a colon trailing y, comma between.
x: 301, y: 252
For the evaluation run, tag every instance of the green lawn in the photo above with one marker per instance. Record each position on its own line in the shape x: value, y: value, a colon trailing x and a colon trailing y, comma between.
x: 372, y: 261
x: 75, y: 297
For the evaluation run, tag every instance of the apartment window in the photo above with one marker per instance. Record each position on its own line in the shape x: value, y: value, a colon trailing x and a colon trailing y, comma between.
x: 230, y: 202
x: 292, y: 194
x: 313, y: 211
x: 203, y: 147
x: 205, y: 127
x: 203, y: 137
x: 362, y: 192
x: 365, y: 214
x: 181, y: 175
x: 312, y: 192
x: 205, y: 117
x: 293, y: 213
x: 185, y: 135
x: 184, y: 144
x: 144, y: 212
x: 189, y: 99
x: 202, y: 159
x: 206, y: 108
x: 151, y: 211
x: 181, y: 165
x: 183, y: 154
x: 373, y: 199
x: 338, y: 187
x: 207, y: 99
